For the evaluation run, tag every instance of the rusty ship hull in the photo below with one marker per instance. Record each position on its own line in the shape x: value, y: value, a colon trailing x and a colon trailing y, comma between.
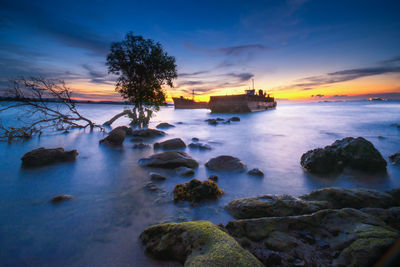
x: 184, y: 103
x: 241, y: 103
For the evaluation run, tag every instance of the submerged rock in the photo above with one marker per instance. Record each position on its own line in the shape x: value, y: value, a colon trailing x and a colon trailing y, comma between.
x: 196, y: 190
x: 164, y: 125
x: 213, y: 178
x: 137, y: 139
x: 175, y: 143
x: 234, y: 119
x: 196, y: 243
x: 200, y: 146
x: 226, y: 163
x: 345, y: 237
x: 356, y: 153
x: 43, y: 156
x: 61, y: 198
x: 195, y: 139
x: 169, y: 160
x: 157, y: 177
x: 116, y: 137
x: 395, y: 158
x: 271, y: 206
x: 212, y: 121
x: 255, y: 172
x: 147, y: 133
x: 184, y: 171
x: 141, y: 146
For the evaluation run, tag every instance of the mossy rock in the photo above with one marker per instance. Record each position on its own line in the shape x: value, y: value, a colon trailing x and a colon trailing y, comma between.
x: 196, y: 190
x: 196, y: 243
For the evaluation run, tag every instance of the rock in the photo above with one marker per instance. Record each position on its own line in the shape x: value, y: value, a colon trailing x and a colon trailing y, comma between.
x: 356, y: 153
x: 196, y: 190
x: 43, y: 156
x: 61, y: 198
x: 200, y: 146
x: 116, y: 137
x: 195, y: 139
x: 234, y: 119
x: 164, y: 125
x: 321, y: 161
x: 141, y: 146
x: 337, y: 198
x: 169, y: 160
x: 128, y: 130
x: 395, y: 158
x: 184, y: 171
x: 226, y: 163
x: 147, y: 133
x: 175, y: 143
x: 354, y: 237
x: 219, y: 119
x: 195, y: 243
x: 326, y: 198
x: 390, y: 216
x: 152, y: 187
x: 271, y: 206
x: 255, y: 172
x: 157, y: 177
x: 212, y: 121
x: 213, y: 178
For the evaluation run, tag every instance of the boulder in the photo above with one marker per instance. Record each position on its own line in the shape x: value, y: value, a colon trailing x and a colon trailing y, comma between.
x: 337, y: 198
x: 326, y: 198
x: 226, y: 163
x: 219, y: 119
x: 184, y: 171
x: 128, y: 130
x: 321, y: 161
x: 147, y: 133
x: 344, y: 237
x: 255, y: 172
x: 116, y: 137
x: 271, y: 206
x: 212, y: 121
x: 175, y: 143
x: 141, y: 146
x: 196, y: 190
x: 169, y: 160
x: 195, y: 243
x: 61, y: 198
x: 356, y: 153
x: 395, y: 158
x: 195, y: 139
x: 157, y: 177
x: 234, y: 119
x: 43, y: 156
x: 213, y: 178
x: 164, y: 125
x: 199, y: 146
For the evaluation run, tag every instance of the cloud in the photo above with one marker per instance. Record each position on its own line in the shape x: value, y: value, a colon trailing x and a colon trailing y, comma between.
x: 193, y: 73
x: 96, y: 76
x: 242, y: 49
x: 393, y: 60
x: 319, y: 95
x: 241, y: 76
x: 339, y: 96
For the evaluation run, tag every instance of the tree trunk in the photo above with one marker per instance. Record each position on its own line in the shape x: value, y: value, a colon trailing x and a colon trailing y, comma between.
x: 116, y: 117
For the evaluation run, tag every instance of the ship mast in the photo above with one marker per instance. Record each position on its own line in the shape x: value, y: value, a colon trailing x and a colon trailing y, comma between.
x: 193, y: 94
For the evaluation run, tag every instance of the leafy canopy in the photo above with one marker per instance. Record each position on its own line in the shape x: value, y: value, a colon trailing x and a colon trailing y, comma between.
x: 143, y: 68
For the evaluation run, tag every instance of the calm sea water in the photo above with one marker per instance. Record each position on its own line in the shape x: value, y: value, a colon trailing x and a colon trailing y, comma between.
x: 100, y: 227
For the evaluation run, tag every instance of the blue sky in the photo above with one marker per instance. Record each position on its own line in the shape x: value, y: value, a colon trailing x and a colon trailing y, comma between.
x: 295, y: 48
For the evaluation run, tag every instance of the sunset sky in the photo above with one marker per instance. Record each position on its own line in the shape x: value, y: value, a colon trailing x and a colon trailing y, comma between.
x: 295, y: 49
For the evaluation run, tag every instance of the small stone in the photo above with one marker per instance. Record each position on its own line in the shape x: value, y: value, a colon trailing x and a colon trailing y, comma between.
x: 175, y: 143
x: 234, y: 119
x: 395, y: 158
x: 195, y: 139
x: 152, y: 187
x: 184, y: 171
x: 164, y: 125
x: 61, y: 198
x: 157, y: 177
x: 255, y: 172
x: 200, y: 146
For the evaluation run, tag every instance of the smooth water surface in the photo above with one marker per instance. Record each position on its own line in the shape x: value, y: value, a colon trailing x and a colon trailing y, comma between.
x: 101, y: 226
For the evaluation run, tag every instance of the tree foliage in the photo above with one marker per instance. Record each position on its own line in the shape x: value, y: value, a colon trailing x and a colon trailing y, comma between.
x: 143, y: 68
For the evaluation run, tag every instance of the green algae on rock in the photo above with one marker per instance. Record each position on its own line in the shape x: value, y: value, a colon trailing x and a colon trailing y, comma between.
x: 195, y: 243
x: 196, y: 190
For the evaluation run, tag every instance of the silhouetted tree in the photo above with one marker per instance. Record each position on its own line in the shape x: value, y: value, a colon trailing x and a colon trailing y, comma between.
x: 143, y: 68
x: 41, y: 103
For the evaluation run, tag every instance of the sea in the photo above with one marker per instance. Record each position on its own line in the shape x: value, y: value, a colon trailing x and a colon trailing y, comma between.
x: 112, y: 205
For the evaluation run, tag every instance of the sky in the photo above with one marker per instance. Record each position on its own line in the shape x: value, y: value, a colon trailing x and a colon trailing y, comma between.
x: 294, y: 49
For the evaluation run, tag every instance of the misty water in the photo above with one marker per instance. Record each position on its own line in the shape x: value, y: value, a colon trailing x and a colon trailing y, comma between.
x: 101, y: 226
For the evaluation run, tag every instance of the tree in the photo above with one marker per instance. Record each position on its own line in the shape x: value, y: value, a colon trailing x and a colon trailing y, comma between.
x: 143, y: 69
x: 41, y: 103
